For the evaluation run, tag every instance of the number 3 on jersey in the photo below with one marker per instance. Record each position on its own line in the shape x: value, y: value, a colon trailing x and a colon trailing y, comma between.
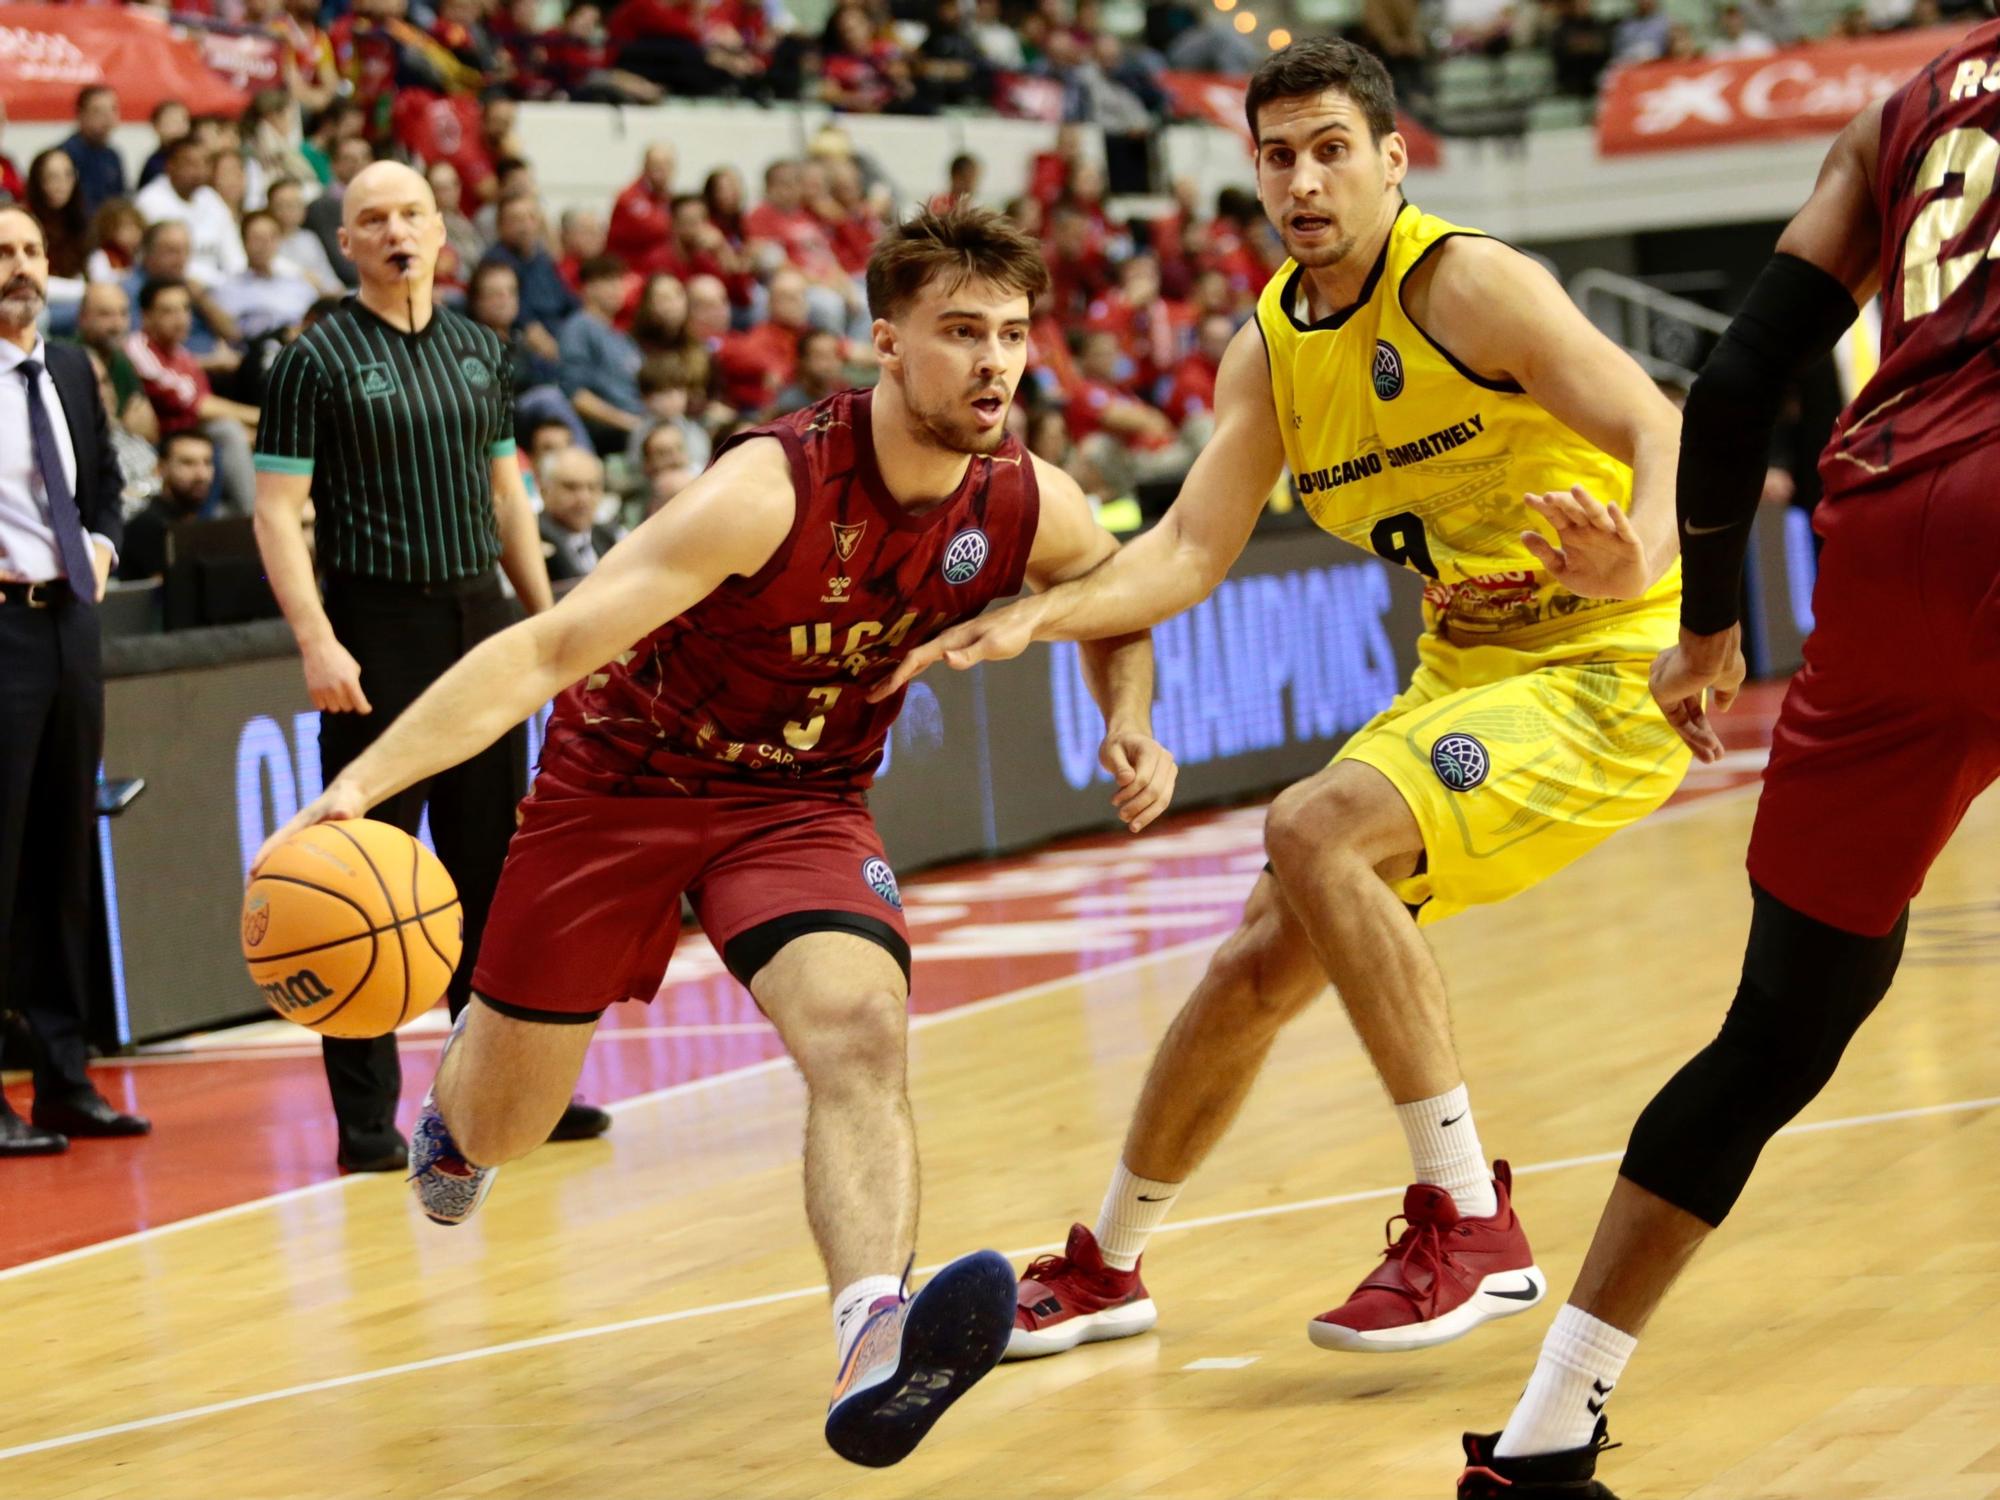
x: 1929, y: 275
x: 804, y: 735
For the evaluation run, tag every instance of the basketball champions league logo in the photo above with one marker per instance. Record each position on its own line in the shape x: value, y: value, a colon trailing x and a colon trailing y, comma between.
x: 1387, y: 371
x: 965, y: 555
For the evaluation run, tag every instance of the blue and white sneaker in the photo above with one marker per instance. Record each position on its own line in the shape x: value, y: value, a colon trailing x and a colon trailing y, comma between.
x: 914, y: 1358
x: 449, y: 1188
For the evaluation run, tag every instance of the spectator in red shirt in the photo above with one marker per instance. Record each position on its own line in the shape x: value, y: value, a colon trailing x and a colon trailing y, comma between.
x: 698, y: 248
x: 1150, y: 329
x: 755, y: 367
x: 179, y: 391
x: 1049, y: 172
x: 579, y: 62
x: 853, y: 220
x: 460, y: 30
x: 580, y: 236
x: 642, y: 216
x: 1190, y: 399
x: 783, y: 219
x: 12, y: 187
x: 1078, y: 272
x: 695, y: 47
x: 863, y: 73
x: 964, y: 185
x: 1130, y: 442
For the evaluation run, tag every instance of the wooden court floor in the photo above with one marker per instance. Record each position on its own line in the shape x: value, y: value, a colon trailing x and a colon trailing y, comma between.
x: 641, y: 1318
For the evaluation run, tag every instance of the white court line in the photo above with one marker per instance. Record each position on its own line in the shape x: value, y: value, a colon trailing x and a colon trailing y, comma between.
x: 1666, y: 815
x: 620, y: 1106
x: 656, y: 1320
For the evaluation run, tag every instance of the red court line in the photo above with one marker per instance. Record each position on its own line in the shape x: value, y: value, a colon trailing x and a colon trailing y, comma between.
x: 240, y: 1128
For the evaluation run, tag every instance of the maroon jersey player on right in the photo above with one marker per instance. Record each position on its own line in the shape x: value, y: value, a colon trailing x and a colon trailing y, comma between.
x: 714, y: 738
x: 1887, y: 733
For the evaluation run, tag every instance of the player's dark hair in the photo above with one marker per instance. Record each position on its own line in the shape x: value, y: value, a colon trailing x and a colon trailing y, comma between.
x: 962, y: 244
x: 1316, y: 65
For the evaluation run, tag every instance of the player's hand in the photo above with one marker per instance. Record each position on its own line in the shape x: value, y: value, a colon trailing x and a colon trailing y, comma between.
x: 336, y: 804
x: 1145, y: 772
x: 1597, y: 553
x: 997, y: 635
x: 333, y: 679
x: 1703, y: 670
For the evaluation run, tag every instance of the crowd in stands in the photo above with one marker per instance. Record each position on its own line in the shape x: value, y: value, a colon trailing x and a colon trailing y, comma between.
x: 642, y: 331
x: 645, y: 330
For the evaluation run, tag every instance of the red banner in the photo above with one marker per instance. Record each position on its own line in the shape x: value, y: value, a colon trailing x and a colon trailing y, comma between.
x: 48, y: 52
x: 1807, y: 91
x: 247, y: 58
x: 1218, y: 99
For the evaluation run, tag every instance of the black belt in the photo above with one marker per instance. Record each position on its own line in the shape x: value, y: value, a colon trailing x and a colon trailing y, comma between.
x: 487, y: 582
x: 37, y: 595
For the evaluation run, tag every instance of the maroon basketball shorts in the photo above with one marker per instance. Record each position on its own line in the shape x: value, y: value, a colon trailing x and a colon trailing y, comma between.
x: 1893, y: 725
x: 589, y: 905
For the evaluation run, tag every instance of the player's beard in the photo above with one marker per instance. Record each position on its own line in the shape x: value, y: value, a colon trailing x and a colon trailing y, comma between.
x: 1319, y: 257
x: 950, y: 427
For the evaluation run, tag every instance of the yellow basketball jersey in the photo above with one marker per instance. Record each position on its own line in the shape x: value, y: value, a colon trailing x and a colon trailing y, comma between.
x: 1399, y: 449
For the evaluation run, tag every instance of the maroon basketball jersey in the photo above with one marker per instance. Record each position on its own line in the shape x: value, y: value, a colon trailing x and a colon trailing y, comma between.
x: 1938, y: 387
x: 766, y: 680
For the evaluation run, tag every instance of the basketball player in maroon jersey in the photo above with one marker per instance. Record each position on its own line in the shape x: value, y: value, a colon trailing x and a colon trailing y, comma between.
x: 1887, y: 733
x: 714, y: 736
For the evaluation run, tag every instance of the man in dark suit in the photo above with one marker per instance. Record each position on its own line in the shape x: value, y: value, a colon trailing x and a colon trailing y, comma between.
x: 59, y: 534
x: 572, y: 483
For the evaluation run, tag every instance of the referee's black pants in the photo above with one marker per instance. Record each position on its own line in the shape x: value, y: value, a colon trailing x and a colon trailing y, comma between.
x: 405, y: 636
x: 51, y: 738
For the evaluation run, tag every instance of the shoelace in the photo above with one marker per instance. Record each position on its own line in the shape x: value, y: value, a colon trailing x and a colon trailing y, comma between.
x: 1043, y: 1267
x: 1425, y: 1245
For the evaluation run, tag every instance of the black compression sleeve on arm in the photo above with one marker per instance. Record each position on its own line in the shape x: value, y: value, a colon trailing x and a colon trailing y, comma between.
x: 1794, y: 315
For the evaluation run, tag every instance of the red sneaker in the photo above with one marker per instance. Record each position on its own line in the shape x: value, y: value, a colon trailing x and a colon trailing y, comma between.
x: 1439, y: 1281
x: 1075, y: 1298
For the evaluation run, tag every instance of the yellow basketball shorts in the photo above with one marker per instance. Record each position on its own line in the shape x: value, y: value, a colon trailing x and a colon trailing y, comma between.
x: 1517, y: 760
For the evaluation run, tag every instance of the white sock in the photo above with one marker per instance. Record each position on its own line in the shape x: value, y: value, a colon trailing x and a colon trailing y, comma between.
x: 1133, y: 1208
x: 850, y: 1310
x: 1444, y: 1145
x: 1582, y: 1358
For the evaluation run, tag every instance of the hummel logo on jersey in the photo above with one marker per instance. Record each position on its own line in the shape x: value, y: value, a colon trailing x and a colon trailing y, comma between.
x: 1604, y: 1392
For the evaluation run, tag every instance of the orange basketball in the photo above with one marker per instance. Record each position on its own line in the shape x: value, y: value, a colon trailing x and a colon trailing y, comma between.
x: 352, y: 928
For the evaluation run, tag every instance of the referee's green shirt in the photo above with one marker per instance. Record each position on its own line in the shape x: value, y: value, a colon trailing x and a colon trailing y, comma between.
x: 398, y: 431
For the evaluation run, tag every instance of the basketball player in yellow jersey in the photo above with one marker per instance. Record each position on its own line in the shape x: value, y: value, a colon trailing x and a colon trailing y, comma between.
x: 1436, y: 395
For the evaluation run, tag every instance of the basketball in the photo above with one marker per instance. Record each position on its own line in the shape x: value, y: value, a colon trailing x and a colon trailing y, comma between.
x: 351, y: 928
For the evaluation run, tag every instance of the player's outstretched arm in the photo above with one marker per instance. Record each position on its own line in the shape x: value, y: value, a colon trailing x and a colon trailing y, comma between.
x: 1118, y: 669
x: 727, y: 523
x: 1827, y: 263
x: 1175, y: 565
x: 1504, y: 316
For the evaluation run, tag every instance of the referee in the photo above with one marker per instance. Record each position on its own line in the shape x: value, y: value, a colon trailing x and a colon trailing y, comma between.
x: 394, y: 416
